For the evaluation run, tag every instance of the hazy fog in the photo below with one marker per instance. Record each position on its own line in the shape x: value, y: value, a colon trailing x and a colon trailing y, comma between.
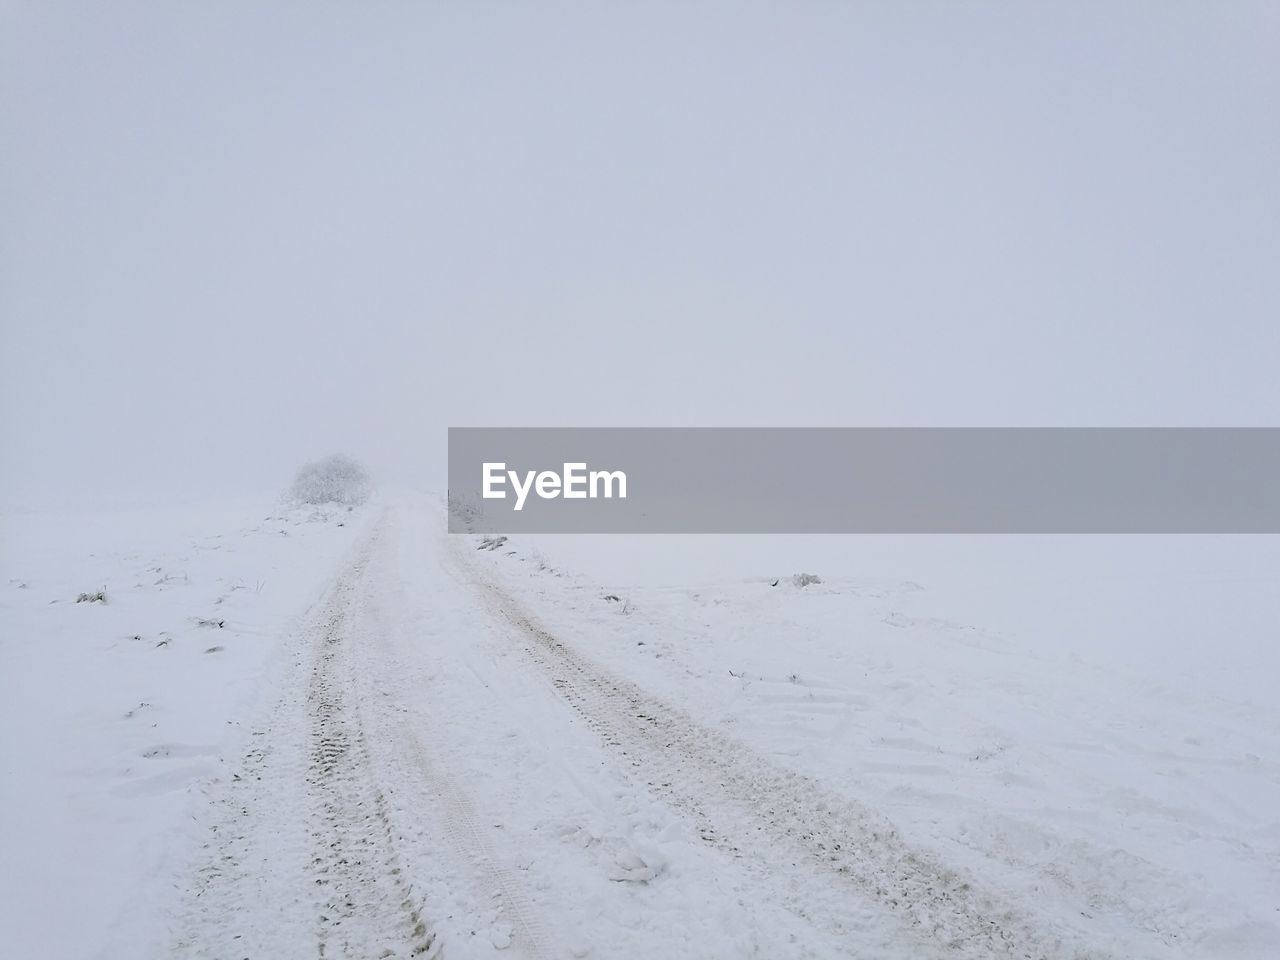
x: 234, y: 236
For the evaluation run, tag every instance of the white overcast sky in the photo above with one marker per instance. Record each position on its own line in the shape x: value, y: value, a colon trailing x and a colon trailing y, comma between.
x: 238, y: 235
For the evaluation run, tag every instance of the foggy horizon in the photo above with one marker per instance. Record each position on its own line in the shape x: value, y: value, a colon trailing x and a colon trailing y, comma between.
x: 233, y: 239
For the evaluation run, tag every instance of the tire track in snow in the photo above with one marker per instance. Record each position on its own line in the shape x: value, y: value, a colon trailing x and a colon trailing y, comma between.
x: 302, y: 860
x: 698, y: 770
x: 365, y: 899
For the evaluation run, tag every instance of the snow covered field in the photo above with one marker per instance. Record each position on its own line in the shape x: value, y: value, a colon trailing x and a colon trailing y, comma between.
x: 115, y: 716
x: 300, y: 733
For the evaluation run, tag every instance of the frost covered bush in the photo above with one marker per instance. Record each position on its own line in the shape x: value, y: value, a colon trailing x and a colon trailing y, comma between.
x: 335, y: 479
x: 804, y: 579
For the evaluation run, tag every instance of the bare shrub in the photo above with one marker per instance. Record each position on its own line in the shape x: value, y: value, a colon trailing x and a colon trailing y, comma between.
x: 335, y: 479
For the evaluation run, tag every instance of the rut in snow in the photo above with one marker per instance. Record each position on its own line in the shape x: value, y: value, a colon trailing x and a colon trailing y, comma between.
x: 302, y: 858
x: 698, y: 770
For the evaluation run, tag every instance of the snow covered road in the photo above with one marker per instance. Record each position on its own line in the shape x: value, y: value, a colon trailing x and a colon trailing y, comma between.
x: 443, y: 775
x: 464, y: 751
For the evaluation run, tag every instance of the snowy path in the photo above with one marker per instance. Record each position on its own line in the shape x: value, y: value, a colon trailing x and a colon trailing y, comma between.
x: 302, y: 733
x: 444, y: 777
